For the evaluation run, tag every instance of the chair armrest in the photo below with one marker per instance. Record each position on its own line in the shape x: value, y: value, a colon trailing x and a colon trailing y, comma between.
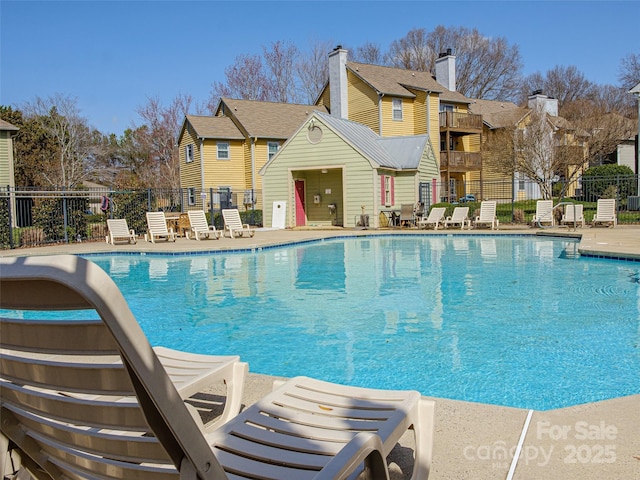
x: 364, y: 447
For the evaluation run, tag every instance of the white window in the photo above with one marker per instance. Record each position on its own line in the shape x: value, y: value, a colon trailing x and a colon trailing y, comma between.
x: 223, y: 150
x: 191, y: 192
x: 188, y: 153
x: 272, y: 148
x: 397, y: 109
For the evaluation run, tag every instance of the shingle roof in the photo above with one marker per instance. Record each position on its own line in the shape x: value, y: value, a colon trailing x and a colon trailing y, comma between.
x: 497, y: 114
x: 268, y: 119
x: 392, y: 81
x: 400, y: 153
x: 7, y: 126
x: 215, y: 127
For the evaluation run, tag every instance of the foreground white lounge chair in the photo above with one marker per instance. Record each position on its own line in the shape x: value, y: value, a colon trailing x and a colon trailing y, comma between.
x: 544, y: 214
x: 157, y: 228
x: 233, y: 224
x: 72, y: 411
x: 487, y: 215
x: 573, y: 215
x: 605, y: 213
x: 460, y: 217
x: 200, y: 227
x: 120, y: 231
x: 435, y: 218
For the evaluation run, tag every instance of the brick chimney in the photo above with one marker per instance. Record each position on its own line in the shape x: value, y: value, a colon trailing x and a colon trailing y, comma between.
x: 446, y: 70
x: 338, y: 82
x: 538, y: 100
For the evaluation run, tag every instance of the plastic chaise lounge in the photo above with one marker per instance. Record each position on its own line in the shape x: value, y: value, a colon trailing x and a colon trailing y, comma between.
x: 544, y: 214
x: 573, y: 215
x: 487, y: 215
x: 199, y: 226
x: 233, y: 224
x: 120, y: 231
x: 434, y: 220
x: 71, y: 411
x: 460, y: 217
x: 157, y: 228
x: 605, y: 213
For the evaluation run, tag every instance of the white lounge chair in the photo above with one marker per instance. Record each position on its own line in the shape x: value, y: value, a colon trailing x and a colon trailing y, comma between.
x: 544, y: 213
x: 487, y: 215
x: 157, y: 228
x: 573, y: 215
x: 200, y: 227
x: 133, y: 423
x: 233, y: 224
x: 605, y: 213
x: 460, y: 217
x: 120, y: 231
x: 435, y: 218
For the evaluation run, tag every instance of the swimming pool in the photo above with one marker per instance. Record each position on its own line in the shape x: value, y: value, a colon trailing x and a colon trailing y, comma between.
x: 508, y: 321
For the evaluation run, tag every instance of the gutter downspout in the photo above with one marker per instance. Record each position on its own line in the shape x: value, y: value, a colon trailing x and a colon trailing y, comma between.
x: 253, y: 167
x: 202, y: 163
x: 380, y: 95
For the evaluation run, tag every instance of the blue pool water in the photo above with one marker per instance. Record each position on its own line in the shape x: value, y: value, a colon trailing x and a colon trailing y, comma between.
x: 508, y: 321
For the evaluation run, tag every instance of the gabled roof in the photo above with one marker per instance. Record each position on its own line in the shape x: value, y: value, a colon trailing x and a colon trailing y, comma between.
x: 213, y: 127
x: 397, y: 153
x: 635, y: 89
x: 7, y: 126
x: 396, y: 81
x: 497, y: 114
x: 266, y: 119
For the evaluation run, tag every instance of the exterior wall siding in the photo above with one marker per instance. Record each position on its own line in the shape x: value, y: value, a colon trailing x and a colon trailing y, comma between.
x: 363, y: 103
x: 6, y: 160
x: 393, y: 128
x: 420, y: 113
x: 224, y: 173
x: 302, y: 160
x: 190, y: 173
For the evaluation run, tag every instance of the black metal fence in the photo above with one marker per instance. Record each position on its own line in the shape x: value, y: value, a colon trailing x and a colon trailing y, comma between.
x: 30, y: 217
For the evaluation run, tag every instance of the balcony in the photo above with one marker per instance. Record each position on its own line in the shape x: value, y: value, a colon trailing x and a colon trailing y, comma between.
x: 456, y: 161
x: 461, y: 122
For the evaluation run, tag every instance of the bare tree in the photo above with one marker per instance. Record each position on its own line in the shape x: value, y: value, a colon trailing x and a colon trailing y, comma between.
x: 245, y: 79
x: 59, y: 117
x: 280, y: 60
x: 368, y: 53
x: 544, y: 153
x: 567, y: 84
x: 629, y: 75
x: 412, y: 52
x: 487, y: 68
x: 158, y: 140
x: 312, y: 70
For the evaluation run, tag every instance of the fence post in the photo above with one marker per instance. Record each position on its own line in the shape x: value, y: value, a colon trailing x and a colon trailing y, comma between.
x: 148, y: 199
x: 9, y: 207
x: 64, y: 216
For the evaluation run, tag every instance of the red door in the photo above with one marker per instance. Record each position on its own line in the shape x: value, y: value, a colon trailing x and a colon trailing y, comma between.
x: 300, y: 206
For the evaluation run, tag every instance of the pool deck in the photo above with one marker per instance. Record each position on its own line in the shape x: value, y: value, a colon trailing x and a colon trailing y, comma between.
x: 473, y: 440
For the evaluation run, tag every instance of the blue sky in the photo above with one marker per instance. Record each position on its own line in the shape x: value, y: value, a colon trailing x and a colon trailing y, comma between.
x: 114, y: 55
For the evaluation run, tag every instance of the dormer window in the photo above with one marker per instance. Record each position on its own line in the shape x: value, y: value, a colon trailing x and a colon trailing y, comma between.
x: 397, y: 109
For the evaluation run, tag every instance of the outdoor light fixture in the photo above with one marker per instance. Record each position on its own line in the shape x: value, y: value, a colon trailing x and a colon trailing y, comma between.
x: 324, y: 170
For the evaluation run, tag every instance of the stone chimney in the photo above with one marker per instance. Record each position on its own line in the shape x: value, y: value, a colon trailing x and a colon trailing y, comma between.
x: 446, y: 70
x: 539, y: 101
x: 338, y: 82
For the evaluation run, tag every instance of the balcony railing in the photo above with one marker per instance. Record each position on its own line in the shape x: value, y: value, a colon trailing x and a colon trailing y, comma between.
x: 461, y: 121
x: 460, y: 161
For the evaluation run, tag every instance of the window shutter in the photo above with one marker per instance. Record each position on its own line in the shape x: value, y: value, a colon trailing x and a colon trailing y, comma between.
x: 381, y: 189
x: 393, y: 200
